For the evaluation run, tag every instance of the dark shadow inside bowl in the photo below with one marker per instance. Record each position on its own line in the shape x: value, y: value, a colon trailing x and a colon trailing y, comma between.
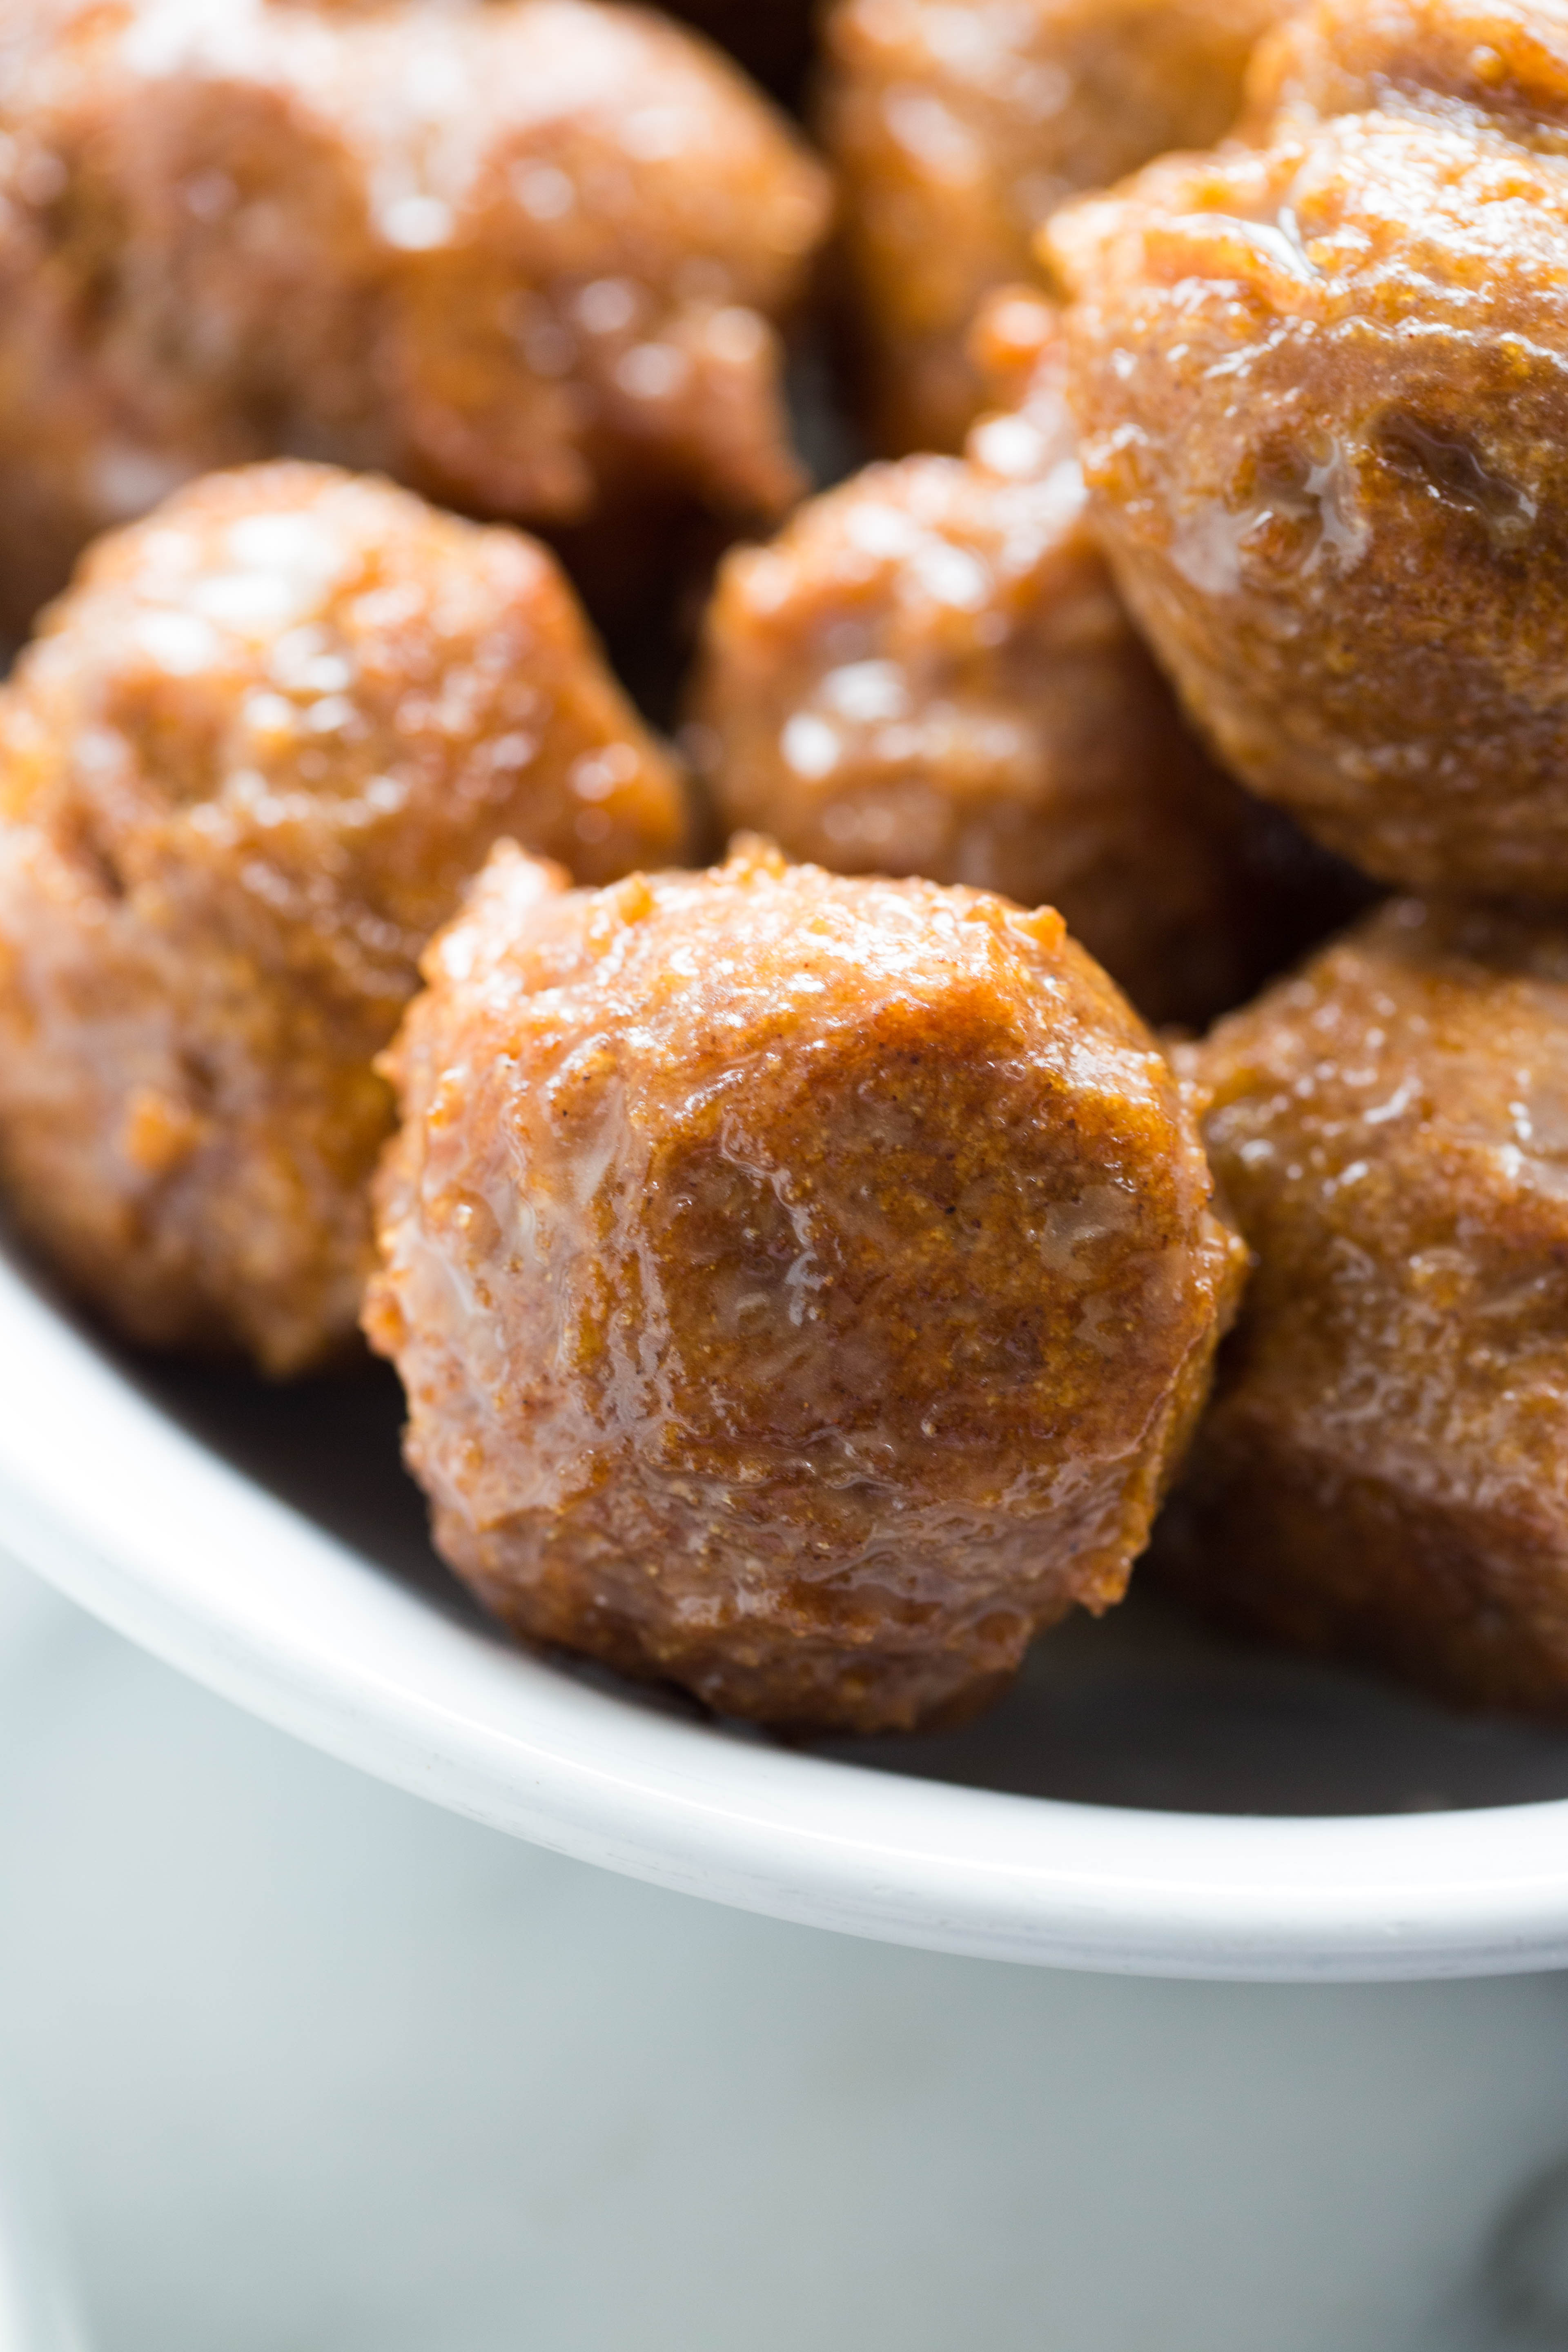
x: 1146, y: 1707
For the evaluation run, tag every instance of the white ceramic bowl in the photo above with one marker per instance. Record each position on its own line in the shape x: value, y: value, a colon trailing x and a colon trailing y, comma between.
x: 324, y: 2068
x: 1148, y: 1801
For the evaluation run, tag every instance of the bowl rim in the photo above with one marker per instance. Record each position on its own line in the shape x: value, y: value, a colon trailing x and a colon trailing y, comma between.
x: 104, y: 1494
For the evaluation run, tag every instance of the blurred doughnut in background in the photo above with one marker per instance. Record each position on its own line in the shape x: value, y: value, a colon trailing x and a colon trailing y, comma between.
x: 957, y: 130
x: 531, y: 257
x: 930, y: 672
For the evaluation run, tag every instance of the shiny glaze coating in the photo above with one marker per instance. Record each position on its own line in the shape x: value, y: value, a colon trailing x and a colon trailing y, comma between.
x: 804, y: 1287
x: 1384, y: 1469
x: 958, y: 129
x: 930, y: 672
x: 527, y: 257
x: 1323, y: 386
x: 244, y: 773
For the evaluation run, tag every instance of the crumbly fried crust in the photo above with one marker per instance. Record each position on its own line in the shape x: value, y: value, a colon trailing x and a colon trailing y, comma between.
x: 1385, y: 1470
x: 244, y: 773
x: 804, y: 1287
x: 1322, y: 380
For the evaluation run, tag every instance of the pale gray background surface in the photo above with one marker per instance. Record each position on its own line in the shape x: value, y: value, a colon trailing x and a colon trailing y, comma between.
x: 322, y: 2068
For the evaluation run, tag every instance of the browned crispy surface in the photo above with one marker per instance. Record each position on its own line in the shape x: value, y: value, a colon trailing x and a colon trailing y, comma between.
x: 957, y: 130
x: 802, y: 1286
x: 243, y: 775
x: 1385, y: 1470
x: 930, y: 671
x: 1323, y: 383
x: 526, y: 257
